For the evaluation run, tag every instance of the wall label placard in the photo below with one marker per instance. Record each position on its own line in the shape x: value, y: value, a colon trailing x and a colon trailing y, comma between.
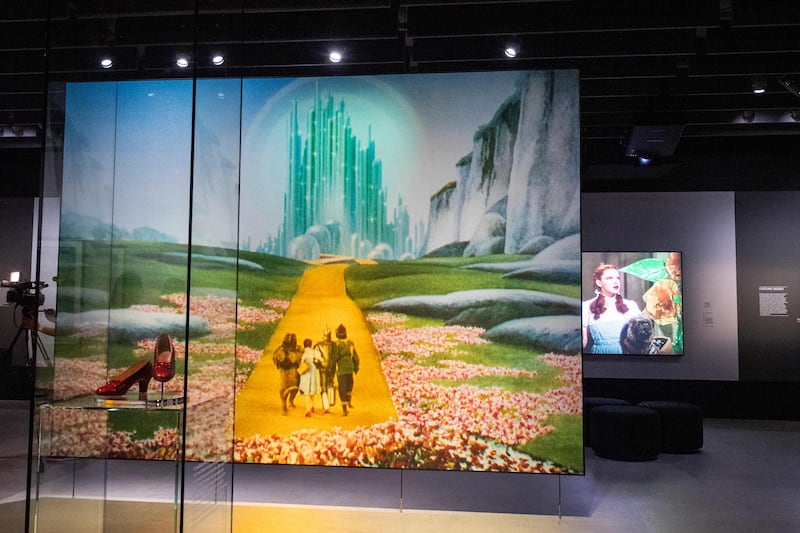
x: 773, y: 300
x: 708, y: 315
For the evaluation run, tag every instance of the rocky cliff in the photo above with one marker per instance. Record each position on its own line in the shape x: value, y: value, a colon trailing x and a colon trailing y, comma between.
x: 526, y: 159
x: 442, y: 218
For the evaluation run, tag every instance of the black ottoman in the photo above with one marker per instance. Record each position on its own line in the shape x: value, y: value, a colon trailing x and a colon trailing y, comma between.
x: 590, y: 403
x: 681, y: 426
x: 625, y: 432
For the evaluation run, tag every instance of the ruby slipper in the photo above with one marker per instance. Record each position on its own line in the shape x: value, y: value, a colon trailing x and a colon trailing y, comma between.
x: 139, y: 372
x: 164, y: 359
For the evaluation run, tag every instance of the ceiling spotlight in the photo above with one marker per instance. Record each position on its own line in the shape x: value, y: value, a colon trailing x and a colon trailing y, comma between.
x: 511, y: 51
x: 748, y: 116
x: 182, y: 61
x: 335, y: 56
x: 759, y: 85
x: 218, y: 59
x: 795, y: 114
x: 106, y: 62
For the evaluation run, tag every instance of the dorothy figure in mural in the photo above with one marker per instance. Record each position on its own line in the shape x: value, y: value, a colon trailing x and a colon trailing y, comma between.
x: 606, y: 314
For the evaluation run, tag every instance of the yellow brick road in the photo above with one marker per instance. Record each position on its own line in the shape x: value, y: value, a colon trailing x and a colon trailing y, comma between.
x: 321, y: 299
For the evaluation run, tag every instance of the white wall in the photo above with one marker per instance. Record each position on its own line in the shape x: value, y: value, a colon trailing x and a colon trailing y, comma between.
x: 701, y: 225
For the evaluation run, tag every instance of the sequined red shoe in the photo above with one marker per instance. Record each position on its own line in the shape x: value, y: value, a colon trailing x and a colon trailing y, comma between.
x: 140, y: 372
x: 164, y: 359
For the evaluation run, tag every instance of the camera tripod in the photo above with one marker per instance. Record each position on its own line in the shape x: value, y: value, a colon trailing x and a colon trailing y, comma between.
x: 35, y: 341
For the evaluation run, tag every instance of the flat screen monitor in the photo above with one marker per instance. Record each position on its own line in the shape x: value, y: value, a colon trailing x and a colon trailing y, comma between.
x: 632, y: 303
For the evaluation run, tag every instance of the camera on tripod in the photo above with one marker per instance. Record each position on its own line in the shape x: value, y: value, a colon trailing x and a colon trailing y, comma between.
x: 27, y: 296
x: 24, y: 293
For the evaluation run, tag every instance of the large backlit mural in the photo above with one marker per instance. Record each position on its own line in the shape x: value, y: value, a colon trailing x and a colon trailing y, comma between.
x: 375, y: 271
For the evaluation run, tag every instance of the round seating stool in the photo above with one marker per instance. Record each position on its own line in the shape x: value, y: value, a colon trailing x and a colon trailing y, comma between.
x: 625, y: 432
x: 681, y: 425
x: 589, y: 403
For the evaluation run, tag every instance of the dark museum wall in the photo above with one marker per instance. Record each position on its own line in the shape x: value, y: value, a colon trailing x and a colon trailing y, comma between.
x: 736, y: 232
x: 737, y: 363
x: 701, y: 226
x: 768, y: 268
x: 16, y: 219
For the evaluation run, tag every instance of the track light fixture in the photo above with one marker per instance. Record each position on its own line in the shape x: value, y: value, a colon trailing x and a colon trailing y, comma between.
x: 511, y: 51
x: 15, y: 130
x: 106, y: 62
x: 795, y: 114
x: 790, y: 82
x: 217, y: 59
x: 182, y: 61
x: 759, y: 85
x: 748, y: 116
x: 335, y: 56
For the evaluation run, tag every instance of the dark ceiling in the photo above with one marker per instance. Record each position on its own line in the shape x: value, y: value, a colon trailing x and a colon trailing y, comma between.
x: 686, y: 64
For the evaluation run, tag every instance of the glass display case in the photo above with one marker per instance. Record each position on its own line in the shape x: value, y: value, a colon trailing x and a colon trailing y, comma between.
x: 257, y: 221
x: 83, y: 478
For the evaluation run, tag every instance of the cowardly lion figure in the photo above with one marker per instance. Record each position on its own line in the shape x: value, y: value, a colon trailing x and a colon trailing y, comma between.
x: 287, y: 359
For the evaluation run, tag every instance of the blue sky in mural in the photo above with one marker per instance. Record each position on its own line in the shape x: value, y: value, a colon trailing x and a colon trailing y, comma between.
x: 132, y: 140
x: 153, y: 156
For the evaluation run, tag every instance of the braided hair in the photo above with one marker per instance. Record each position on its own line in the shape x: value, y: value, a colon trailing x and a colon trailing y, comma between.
x: 598, y: 306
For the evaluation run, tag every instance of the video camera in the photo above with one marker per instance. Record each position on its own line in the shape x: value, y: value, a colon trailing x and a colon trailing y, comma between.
x: 24, y: 293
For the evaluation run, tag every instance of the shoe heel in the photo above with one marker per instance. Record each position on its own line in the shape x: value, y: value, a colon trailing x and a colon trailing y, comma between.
x: 143, y: 384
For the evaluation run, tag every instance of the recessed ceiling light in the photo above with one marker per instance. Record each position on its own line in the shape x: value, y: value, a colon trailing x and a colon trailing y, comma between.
x: 335, y: 56
x: 218, y: 59
x: 106, y: 62
x: 182, y: 61
x: 759, y: 85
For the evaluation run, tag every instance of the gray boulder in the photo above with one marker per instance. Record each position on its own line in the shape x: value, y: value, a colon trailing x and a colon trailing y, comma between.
x: 215, y: 261
x: 492, y: 313
x: 488, y: 237
x: 483, y: 307
x: 454, y: 249
x: 490, y: 246
x: 560, y: 334
x: 566, y: 249
x: 555, y: 271
x: 536, y: 244
x: 130, y: 324
x: 499, y: 268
